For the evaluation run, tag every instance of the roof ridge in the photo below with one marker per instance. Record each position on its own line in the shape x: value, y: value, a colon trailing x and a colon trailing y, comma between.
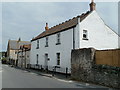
x: 63, y: 26
x: 71, y: 19
x: 19, y: 41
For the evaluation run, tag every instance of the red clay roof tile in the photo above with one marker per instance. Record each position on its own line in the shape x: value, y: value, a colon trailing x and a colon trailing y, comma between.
x: 63, y: 26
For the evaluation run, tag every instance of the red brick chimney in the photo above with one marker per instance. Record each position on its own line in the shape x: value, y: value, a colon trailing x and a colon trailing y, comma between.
x: 46, y: 27
x: 92, y: 6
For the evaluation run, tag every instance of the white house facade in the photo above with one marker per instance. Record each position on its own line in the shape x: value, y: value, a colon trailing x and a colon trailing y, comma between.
x: 24, y: 56
x: 53, y: 46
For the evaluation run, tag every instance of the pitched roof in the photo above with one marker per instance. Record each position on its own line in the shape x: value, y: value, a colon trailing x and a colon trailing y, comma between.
x: 14, y: 44
x: 27, y: 46
x: 63, y: 26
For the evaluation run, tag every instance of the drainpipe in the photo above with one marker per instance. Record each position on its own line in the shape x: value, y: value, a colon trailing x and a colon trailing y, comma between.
x: 25, y: 58
x: 73, y: 38
x: 22, y: 60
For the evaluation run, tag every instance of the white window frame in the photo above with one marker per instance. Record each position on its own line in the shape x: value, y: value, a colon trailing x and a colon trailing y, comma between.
x: 85, y: 32
x: 58, y: 59
x: 46, y: 42
x: 37, y: 44
x: 58, y: 39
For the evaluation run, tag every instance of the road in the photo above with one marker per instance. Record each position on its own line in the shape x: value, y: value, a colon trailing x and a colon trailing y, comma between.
x: 0, y: 75
x: 16, y: 78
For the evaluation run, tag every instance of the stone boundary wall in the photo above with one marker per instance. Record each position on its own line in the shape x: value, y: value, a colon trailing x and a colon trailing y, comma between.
x: 83, y: 68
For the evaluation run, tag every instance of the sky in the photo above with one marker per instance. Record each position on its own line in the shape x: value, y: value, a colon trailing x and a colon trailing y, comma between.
x: 27, y: 19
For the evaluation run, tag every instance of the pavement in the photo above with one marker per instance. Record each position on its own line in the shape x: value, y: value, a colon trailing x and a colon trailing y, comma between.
x: 0, y: 76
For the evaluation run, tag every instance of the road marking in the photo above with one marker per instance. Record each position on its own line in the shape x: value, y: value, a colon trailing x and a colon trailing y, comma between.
x: 1, y: 70
x: 33, y: 73
x: 64, y: 80
x: 25, y: 71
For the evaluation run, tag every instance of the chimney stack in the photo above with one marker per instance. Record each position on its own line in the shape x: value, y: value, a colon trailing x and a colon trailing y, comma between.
x: 46, y: 27
x: 92, y: 6
x: 19, y: 39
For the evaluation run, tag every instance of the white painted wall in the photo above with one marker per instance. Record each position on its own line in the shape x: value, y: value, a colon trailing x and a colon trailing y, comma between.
x: 26, y: 57
x: 100, y: 36
x: 19, y: 59
x: 64, y: 49
x: 13, y: 55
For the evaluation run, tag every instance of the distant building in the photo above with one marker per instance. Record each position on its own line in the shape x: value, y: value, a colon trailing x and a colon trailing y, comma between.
x: 12, y: 50
x: 53, y: 46
x: 24, y: 55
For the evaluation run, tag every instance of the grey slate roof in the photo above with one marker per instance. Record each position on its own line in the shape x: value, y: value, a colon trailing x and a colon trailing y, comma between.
x: 14, y: 44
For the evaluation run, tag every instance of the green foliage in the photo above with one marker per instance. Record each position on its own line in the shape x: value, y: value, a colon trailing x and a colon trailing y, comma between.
x: 3, y: 59
x: 107, y: 68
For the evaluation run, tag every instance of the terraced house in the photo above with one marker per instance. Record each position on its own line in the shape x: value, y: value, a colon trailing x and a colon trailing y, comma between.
x: 24, y: 56
x: 53, y: 46
x: 12, y: 50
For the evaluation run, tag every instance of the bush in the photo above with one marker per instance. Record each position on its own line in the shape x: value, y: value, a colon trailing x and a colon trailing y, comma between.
x: 4, y: 60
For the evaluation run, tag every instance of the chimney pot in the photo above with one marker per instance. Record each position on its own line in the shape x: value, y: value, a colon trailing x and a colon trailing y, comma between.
x: 46, y: 27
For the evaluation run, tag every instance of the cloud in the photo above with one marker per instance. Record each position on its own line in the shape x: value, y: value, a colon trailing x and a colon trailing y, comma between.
x: 0, y: 26
x: 109, y: 13
x: 27, y: 19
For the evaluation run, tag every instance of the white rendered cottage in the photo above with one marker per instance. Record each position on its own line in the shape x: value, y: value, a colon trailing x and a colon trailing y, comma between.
x: 24, y: 56
x: 53, y: 46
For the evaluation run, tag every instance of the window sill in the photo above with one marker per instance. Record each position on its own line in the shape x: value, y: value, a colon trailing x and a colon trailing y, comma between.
x: 37, y: 64
x: 37, y: 48
x: 46, y: 45
x: 58, y: 43
x: 85, y: 39
x: 57, y: 66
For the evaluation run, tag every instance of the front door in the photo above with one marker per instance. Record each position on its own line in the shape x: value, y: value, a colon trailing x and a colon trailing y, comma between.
x: 46, y: 61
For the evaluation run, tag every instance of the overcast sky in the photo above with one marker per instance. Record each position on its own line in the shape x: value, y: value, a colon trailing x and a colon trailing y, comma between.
x: 27, y: 19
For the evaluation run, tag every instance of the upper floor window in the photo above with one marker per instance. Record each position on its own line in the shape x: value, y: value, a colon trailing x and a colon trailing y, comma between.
x: 85, y: 35
x: 37, y: 44
x: 58, y: 39
x: 46, y: 42
x: 58, y: 58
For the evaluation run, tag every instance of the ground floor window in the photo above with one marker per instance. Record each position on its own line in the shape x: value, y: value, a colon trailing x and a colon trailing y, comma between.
x: 37, y: 59
x: 58, y: 58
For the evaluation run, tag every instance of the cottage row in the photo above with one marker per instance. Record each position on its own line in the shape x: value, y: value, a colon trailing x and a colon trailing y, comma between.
x: 54, y: 45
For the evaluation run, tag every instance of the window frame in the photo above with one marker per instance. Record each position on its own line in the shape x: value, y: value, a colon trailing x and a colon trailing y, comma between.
x: 58, y: 59
x: 85, y: 32
x: 37, y: 44
x: 58, y: 39
x: 37, y: 58
x: 46, y: 42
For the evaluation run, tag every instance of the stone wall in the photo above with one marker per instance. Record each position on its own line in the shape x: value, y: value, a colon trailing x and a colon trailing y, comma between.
x: 84, y: 69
